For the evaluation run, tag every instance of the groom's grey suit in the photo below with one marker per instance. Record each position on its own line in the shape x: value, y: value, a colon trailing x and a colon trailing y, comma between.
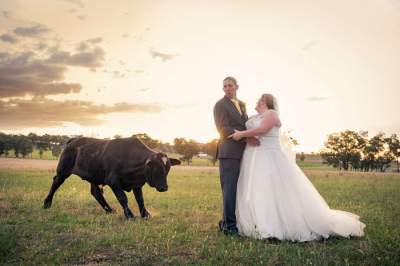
x: 229, y: 152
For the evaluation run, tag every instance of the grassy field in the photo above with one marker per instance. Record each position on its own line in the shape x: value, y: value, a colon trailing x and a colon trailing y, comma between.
x: 183, y: 229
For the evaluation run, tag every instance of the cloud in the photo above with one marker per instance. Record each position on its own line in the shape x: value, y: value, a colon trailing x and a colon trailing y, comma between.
x: 8, y: 38
x: 5, y: 14
x: 317, y: 99
x: 163, y: 56
x: 31, y: 31
x: 91, y: 59
x: 95, y: 40
x: 82, y: 17
x: 126, y: 35
x: 42, y: 112
x: 78, y: 3
x: 72, y: 10
x: 308, y: 45
x: 118, y: 74
x: 395, y: 4
x: 41, y: 46
x: 89, y: 43
x: 23, y: 74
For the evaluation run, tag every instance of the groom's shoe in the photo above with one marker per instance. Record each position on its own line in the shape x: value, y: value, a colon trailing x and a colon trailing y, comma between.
x: 231, y: 232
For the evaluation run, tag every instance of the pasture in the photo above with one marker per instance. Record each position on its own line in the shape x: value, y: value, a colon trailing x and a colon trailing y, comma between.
x: 183, y: 227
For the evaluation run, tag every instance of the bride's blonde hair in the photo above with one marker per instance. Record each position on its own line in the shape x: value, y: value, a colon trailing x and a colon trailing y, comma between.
x: 268, y: 99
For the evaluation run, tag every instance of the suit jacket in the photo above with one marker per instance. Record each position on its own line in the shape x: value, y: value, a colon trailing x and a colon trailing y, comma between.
x: 227, y: 118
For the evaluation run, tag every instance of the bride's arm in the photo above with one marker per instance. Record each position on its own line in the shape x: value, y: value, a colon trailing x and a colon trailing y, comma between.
x: 269, y: 120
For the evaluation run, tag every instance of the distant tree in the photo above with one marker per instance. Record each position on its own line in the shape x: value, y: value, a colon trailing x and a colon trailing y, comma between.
x: 42, y: 146
x: 165, y: 147
x: 3, y: 143
x: 56, y: 151
x: 377, y: 155
x: 34, y: 137
x: 15, y: 141
x: 25, y: 146
x: 8, y: 144
x: 146, y: 139
x: 186, y: 148
x: 302, y: 156
x: 394, y: 147
x: 210, y: 148
x: 117, y: 136
x: 342, y: 149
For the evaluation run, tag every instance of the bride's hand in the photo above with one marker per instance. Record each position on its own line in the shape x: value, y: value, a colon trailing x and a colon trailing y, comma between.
x: 237, y: 135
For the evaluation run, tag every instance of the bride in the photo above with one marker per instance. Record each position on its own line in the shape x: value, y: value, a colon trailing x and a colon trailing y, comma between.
x: 274, y: 197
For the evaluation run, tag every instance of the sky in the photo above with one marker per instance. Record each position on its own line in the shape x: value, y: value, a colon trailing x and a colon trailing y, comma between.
x: 101, y: 68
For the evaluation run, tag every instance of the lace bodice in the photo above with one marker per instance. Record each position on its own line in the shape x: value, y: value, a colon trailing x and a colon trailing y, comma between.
x: 255, y: 121
x: 268, y: 139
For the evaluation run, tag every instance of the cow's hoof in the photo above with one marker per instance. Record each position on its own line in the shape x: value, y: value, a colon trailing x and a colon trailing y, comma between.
x: 46, y: 204
x: 129, y: 214
x: 146, y: 215
x: 109, y: 210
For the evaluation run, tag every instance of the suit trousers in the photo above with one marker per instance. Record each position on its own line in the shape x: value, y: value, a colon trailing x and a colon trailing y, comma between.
x: 229, y: 170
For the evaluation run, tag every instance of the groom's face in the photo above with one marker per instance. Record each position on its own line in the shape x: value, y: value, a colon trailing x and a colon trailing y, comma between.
x: 230, y: 88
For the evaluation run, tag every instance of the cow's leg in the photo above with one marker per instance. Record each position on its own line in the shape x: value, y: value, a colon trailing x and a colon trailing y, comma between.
x: 123, y: 200
x: 98, y: 195
x: 57, y: 182
x: 139, y: 199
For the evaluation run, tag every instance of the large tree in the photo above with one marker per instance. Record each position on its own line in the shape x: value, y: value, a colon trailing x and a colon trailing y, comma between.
x: 343, y: 149
x: 394, y: 147
x: 146, y: 139
x: 211, y: 149
x: 186, y: 148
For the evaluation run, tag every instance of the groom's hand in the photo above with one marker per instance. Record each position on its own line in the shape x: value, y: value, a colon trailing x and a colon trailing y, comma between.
x: 253, y: 141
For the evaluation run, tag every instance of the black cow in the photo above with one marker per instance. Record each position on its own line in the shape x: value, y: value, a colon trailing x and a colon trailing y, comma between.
x: 123, y: 164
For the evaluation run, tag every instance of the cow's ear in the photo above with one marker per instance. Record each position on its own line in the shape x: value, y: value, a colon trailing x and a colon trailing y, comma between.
x: 174, y: 161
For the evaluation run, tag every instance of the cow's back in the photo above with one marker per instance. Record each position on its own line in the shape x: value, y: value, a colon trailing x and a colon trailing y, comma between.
x: 95, y: 159
x: 89, y: 157
x: 124, y: 155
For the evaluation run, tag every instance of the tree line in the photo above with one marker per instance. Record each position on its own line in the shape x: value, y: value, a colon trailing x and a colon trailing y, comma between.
x: 351, y: 150
x: 24, y: 145
x: 187, y: 148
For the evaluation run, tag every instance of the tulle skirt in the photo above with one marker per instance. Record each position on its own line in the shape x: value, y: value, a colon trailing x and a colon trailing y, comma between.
x: 276, y: 200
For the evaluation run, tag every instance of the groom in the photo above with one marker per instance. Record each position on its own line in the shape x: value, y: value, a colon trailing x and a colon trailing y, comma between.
x: 230, y: 115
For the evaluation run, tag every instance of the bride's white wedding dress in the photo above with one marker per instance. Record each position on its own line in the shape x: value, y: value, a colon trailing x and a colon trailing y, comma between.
x: 276, y: 199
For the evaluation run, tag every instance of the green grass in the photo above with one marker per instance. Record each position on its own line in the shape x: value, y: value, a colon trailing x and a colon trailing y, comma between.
x: 314, y: 165
x: 183, y: 229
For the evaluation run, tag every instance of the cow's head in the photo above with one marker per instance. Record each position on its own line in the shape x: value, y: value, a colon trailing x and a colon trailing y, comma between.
x: 157, y: 169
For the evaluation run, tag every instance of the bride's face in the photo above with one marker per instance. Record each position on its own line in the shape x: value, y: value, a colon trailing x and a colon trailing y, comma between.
x: 261, y: 106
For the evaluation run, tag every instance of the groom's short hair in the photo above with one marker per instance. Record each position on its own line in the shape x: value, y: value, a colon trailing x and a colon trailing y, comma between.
x: 231, y: 79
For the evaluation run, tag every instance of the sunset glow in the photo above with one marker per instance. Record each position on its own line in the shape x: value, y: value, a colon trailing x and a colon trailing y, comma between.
x: 101, y: 68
